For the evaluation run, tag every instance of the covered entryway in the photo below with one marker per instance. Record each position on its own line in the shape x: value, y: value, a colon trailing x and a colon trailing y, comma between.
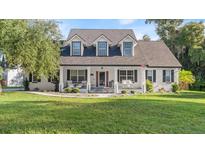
x: 101, y: 79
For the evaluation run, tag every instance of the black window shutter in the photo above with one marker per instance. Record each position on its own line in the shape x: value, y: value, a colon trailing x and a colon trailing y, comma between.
x: 86, y: 73
x: 172, y: 75
x: 163, y: 76
x: 30, y: 77
x: 154, y: 75
x: 146, y: 74
x: 135, y: 76
x: 118, y: 75
x: 68, y: 74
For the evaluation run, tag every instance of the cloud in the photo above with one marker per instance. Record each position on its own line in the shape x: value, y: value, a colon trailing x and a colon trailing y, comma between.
x: 140, y: 33
x: 126, y: 21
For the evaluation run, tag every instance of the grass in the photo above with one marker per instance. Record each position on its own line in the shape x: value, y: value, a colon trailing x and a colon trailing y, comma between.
x: 152, y: 113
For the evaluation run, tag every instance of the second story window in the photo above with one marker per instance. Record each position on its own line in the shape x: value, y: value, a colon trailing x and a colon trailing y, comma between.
x: 127, y: 48
x: 76, y: 48
x: 102, y: 48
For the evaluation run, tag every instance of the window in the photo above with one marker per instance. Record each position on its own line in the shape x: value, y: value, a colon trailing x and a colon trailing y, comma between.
x: 127, y: 48
x: 74, y: 75
x: 33, y: 78
x: 122, y: 75
x: 130, y: 75
x: 126, y: 75
x: 76, y: 48
x: 81, y: 75
x: 150, y: 75
x: 77, y: 75
x: 167, y: 75
x: 102, y: 48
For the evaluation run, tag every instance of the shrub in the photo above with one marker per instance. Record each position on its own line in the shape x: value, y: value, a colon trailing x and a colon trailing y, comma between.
x: 175, y: 87
x: 75, y: 90
x: 68, y: 90
x: 124, y: 92
x: 185, y: 79
x: 132, y: 92
x: 149, y: 86
x: 162, y: 90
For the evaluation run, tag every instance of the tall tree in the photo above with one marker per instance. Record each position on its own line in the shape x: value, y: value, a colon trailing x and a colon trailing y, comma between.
x: 31, y: 44
x: 185, y: 41
x: 191, y: 39
x: 167, y: 29
x: 146, y: 38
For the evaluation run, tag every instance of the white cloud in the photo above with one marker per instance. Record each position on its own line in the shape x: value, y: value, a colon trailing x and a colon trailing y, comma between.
x: 139, y: 35
x: 126, y: 21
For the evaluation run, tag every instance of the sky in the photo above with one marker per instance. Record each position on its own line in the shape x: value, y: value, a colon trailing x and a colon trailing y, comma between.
x: 138, y: 25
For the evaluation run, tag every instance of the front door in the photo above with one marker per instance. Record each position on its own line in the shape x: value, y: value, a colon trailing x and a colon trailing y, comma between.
x: 102, y: 78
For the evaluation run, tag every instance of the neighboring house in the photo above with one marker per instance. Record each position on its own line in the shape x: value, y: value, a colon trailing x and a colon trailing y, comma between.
x: 111, y: 60
x: 13, y: 77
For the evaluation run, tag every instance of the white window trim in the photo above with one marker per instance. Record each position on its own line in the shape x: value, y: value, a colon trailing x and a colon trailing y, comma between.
x: 131, y: 49
x: 97, y: 51
x: 33, y: 79
x: 170, y: 76
x: 77, y: 74
x: 71, y: 51
x: 126, y: 75
x: 127, y: 38
x: 152, y: 75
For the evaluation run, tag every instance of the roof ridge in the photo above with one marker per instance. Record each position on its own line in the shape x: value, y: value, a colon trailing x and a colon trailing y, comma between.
x: 100, y: 29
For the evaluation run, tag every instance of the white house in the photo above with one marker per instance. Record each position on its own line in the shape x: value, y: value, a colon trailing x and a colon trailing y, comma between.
x: 110, y: 60
x: 13, y: 77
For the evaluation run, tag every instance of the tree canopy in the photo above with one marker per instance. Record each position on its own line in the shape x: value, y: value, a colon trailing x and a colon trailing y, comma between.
x: 186, y: 41
x: 146, y: 38
x: 31, y: 45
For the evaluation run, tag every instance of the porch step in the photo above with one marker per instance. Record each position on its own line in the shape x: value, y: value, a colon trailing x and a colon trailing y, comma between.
x: 101, y: 90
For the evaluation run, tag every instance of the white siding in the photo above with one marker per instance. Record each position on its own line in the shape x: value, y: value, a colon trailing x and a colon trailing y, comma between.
x: 157, y: 85
x: 43, y: 85
x: 159, y: 78
x: 14, y: 77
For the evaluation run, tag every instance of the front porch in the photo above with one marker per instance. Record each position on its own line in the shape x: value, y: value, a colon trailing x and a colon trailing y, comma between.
x: 102, y: 79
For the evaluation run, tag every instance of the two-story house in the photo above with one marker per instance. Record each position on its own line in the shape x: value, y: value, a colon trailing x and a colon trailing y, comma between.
x: 110, y: 60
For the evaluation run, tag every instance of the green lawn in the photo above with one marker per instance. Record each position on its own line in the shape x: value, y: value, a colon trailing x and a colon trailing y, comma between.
x: 157, y: 113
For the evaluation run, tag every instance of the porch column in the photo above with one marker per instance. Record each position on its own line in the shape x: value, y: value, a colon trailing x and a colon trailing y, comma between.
x: 88, y: 79
x: 115, y: 80
x: 143, y: 79
x: 61, y: 85
x: 177, y: 75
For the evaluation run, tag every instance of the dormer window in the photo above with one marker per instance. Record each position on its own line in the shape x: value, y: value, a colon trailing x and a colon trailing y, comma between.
x: 102, y: 48
x: 127, y: 48
x: 76, y: 48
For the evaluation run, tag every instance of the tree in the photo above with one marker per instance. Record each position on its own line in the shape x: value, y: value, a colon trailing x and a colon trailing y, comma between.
x: 31, y: 45
x: 167, y: 29
x: 185, y: 41
x: 185, y: 79
x: 146, y: 38
x: 191, y: 39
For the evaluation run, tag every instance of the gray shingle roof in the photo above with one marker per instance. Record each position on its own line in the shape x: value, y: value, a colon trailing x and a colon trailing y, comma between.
x: 149, y: 53
x: 90, y: 35
x: 157, y: 54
